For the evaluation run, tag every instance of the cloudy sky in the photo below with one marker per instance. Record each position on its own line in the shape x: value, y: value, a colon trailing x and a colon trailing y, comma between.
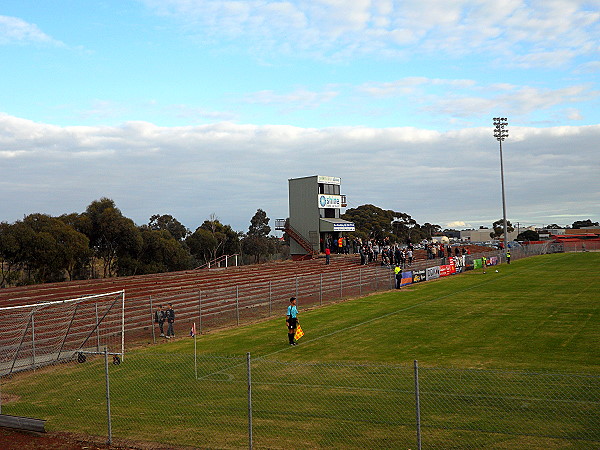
x: 200, y: 107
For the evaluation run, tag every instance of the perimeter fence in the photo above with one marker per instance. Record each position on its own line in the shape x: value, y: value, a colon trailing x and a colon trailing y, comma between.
x: 215, y: 306
x: 163, y: 400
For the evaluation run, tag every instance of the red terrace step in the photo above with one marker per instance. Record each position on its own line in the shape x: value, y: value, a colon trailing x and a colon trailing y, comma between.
x: 217, y: 287
x: 171, y: 283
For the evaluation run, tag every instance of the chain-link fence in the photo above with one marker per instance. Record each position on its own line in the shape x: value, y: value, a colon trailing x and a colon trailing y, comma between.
x: 214, y: 306
x: 166, y: 399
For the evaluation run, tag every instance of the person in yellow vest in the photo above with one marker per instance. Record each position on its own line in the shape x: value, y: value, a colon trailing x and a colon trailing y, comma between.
x: 340, y: 244
x: 398, y: 276
x: 508, y: 256
x: 484, y: 263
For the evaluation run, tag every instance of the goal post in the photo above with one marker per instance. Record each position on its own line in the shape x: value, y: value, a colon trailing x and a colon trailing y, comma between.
x: 44, y: 333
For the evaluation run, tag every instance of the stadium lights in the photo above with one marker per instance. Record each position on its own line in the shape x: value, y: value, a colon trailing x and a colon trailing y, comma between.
x: 501, y: 133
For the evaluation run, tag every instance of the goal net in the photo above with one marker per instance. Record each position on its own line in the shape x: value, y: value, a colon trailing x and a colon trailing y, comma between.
x: 44, y: 333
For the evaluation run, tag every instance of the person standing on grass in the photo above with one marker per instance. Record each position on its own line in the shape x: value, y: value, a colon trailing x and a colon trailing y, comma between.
x: 170, y: 316
x: 159, y: 318
x: 292, y: 320
x: 484, y: 263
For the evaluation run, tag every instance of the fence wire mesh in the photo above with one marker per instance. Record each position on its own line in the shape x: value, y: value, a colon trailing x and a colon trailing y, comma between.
x: 170, y: 399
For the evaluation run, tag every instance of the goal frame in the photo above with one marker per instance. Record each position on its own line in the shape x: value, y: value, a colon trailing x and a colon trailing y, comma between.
x: 34, y: 307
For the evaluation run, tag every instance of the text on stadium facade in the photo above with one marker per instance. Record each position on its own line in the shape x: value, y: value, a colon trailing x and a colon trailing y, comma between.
x: 330, y: 201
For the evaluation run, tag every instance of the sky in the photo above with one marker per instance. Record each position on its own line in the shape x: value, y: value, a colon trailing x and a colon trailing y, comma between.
x: 204, y: 108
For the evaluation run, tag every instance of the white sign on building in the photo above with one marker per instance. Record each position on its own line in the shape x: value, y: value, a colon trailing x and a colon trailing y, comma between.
x: 330, y: 201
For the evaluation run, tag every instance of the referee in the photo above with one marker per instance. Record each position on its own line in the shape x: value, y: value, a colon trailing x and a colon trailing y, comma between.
x: 292, y: 320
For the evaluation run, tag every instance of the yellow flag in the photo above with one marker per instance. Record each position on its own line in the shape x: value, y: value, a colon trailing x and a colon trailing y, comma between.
x: 299, y: 332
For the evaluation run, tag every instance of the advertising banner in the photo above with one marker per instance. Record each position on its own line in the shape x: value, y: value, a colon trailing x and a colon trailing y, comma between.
x: 407, y: 278
x: 349, y: 226
x: 328, y: 180
x: 445, y: 270
x: 432, y: 273
x: 329, y: 201
x: 477, y: 264
x: 418, y: 276
x: 493, y: 261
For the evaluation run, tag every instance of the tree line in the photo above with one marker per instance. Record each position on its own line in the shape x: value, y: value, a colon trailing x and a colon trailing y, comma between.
x: 102, y: 242
x: 372, y: 222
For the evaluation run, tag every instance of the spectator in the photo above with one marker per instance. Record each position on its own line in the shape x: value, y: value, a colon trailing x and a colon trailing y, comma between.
x: 170, y: 316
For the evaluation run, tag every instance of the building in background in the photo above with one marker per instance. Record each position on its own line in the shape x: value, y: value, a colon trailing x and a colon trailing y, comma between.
x: 314, y: 222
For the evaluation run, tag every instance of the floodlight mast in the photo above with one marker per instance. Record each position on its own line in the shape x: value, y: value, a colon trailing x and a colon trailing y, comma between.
x: 501, y: 133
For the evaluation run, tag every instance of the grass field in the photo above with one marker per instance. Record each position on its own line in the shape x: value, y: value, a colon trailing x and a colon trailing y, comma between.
x: 507, y: 360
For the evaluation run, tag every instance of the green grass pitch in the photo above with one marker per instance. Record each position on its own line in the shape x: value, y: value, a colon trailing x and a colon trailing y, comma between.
x: 353, y: 368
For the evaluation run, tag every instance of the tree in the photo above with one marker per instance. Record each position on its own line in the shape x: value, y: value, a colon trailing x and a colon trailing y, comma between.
x: 256, y: 241
x: 403, y: 226
x: 498, y: 227
x: 528, y: 235
x: 584, y: 223
x: 213, y: 239
x: 430, y: 230
x: 170, y: 224
x: 259, y: 224
x: 113, y: 236
x: 372, y: 221
x: 161, y: 252
x: 9, y: 254
x: 40, y: 248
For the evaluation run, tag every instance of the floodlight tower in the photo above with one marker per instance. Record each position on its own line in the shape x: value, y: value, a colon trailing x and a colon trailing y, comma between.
x: 501, y: 133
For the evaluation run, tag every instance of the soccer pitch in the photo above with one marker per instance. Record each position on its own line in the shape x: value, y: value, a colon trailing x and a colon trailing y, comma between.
x: 536, y: 313
x: 351, y: 378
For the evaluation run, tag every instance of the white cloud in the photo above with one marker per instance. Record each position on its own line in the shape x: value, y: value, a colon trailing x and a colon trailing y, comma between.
x: 297, y: 99
x: 464, y: 98
x: 232, y: 170
x: 536, y: 32
x: 14, y: 30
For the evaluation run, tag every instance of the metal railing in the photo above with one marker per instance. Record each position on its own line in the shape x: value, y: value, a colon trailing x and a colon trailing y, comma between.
x: 238, y: 402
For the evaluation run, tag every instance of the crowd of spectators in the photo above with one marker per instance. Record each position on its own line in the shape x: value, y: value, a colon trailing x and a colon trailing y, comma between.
x: 392, y: 254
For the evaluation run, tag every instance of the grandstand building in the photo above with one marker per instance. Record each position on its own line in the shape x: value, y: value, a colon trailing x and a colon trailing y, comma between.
x: 315, y: 205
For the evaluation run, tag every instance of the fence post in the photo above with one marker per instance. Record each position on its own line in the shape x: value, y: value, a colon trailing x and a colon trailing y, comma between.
x: 249, y: 400
x: 200, y: 312
x: 33, y: 337
x: 417, y: 404
x: 98, y: 328
x: 321, y: 289
x: 151, y: 321
x: 296, y: 288
x: 270, y: 298
x: 360, y: 281
x: 237, y: 305
x: 109, y: 442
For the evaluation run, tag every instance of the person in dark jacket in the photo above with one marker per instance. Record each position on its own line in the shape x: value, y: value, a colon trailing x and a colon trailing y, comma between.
x: 170, y: 316
x: 159, y: 318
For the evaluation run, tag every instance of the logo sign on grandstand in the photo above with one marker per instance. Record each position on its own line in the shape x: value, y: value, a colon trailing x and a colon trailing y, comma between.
x: 330, y: 201
x: 343, y: 227
x: 433, y: 272
x: 329, y: 180
x: 418, y: 276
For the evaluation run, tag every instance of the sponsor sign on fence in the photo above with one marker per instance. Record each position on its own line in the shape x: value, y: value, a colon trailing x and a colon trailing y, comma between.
x: 433, y: 272
x: 407, y: 278
x: 418, y: 276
